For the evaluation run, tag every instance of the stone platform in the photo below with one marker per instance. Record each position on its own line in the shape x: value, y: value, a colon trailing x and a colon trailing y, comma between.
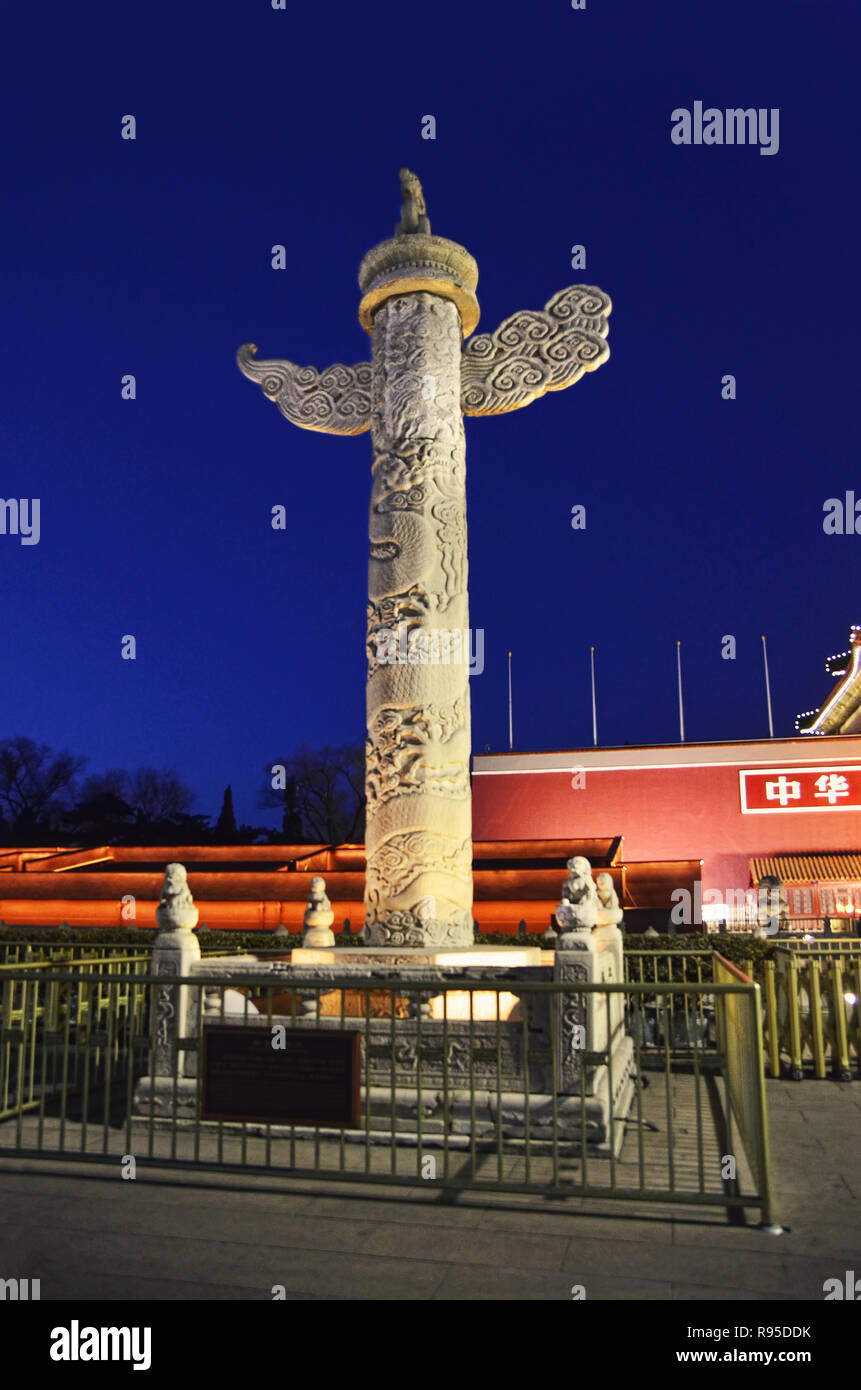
x: 505, y: 956
x: 493, y: 1069
x: 479, y: 1118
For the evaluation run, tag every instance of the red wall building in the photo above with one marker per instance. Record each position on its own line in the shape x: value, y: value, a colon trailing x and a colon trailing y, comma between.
x: 700, y: 819
x: 722, y: 803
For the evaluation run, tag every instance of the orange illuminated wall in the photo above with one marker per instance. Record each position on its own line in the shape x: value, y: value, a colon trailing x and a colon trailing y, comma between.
x: 248, y: 887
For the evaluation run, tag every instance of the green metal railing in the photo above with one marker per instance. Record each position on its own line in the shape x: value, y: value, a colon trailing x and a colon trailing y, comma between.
x: 44, y: 1006
x: 18, y: 982
x: 688, y: 1023
x: 34, y: 953
x: 668, y: 965
x: 827, y: 946
x: 80, y: 1051
x: 740, y: 1039
x: 812, y: 1013
x: 810, y: 1001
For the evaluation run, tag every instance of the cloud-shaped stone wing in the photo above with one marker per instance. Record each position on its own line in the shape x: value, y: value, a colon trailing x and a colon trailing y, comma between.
x: 532, y: 352
x: 336, y: 401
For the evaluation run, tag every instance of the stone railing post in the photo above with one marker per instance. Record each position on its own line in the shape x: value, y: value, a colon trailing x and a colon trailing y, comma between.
x: 175, y: 951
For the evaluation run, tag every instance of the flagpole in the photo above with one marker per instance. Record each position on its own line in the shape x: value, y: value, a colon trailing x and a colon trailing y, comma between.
x: 767, y: 688
x: 594, y: 706
x: 510, y: 709
x: 681, y: 704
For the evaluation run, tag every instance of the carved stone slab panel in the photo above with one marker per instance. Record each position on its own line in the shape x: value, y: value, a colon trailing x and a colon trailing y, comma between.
x: 533, y: 352
x: 335, y: 401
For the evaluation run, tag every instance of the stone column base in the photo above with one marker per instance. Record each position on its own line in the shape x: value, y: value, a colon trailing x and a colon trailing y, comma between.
x: 154, y: 1100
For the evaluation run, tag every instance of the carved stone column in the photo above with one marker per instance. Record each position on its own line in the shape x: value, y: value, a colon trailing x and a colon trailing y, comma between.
x: 418, y: 886
x: 418, y: 302
x: 175, y: 950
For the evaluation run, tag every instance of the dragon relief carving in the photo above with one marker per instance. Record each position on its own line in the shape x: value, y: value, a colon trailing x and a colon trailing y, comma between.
x: 533, y: 352
x: 451, y: 544
x: 421, y: 927
x: 414, y: 644
x: 416, y: 365
x: 405, y: 478
x: 406, y: 856
x: 421, y: 527
x: 408, y: 499
x: 390, y: 622
x: 334, y: 401
x: 385, y: 550
x: 446, y: 542
x: 400, y: 748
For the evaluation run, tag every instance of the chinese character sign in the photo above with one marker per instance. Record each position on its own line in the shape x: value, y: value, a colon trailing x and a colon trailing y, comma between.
x: 800, y: 789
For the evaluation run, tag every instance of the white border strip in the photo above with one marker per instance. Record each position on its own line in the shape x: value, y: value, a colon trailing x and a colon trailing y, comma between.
x: 633, y: 767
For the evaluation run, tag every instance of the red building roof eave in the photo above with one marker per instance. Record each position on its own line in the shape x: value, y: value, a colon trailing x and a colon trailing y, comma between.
x: 844, y: 699
x: 835, y: 866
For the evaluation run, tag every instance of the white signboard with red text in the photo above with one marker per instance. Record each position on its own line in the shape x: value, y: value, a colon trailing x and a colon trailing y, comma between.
x: 767, y: 790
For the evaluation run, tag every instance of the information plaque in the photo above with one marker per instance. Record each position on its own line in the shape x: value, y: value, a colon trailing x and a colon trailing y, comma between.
x: 288, y: 1076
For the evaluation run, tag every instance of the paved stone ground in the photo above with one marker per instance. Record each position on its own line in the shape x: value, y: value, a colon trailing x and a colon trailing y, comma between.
x: 672, y: 1142
x: 183, y: 1234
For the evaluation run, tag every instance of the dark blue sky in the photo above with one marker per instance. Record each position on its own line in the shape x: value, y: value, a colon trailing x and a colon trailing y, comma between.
x: 257, y: 127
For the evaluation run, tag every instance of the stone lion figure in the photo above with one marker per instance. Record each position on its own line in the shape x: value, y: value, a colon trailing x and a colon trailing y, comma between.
x: 578, y: 909
x: 176, y: 910
x: 609, y: 912
x: 414, y: 216
x: 318, y: 918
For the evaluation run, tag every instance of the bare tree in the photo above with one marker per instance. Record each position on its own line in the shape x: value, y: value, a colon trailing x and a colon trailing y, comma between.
x: 119, y: 803
x: 101, y: 812
x: 321, y: 792
x: 111, y: 783
x: 36, y: 783
x: 158, y: 796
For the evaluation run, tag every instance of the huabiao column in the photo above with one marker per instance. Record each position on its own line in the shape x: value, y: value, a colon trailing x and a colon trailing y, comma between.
x: 419, y: 303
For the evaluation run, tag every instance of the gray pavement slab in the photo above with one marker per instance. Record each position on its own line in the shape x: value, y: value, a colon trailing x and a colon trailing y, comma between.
x: 186, y: 1234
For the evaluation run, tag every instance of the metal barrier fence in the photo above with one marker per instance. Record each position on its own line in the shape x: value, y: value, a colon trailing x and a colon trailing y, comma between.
x: 740, y: 1040
x: 33, y: 953
x: 667, y: 965
x: 45, y: 995
x: 810, y: 999
x: 690, y: 1022
x: 821, y: 946
x: 82, y: 1074
x: 812, y: 1013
